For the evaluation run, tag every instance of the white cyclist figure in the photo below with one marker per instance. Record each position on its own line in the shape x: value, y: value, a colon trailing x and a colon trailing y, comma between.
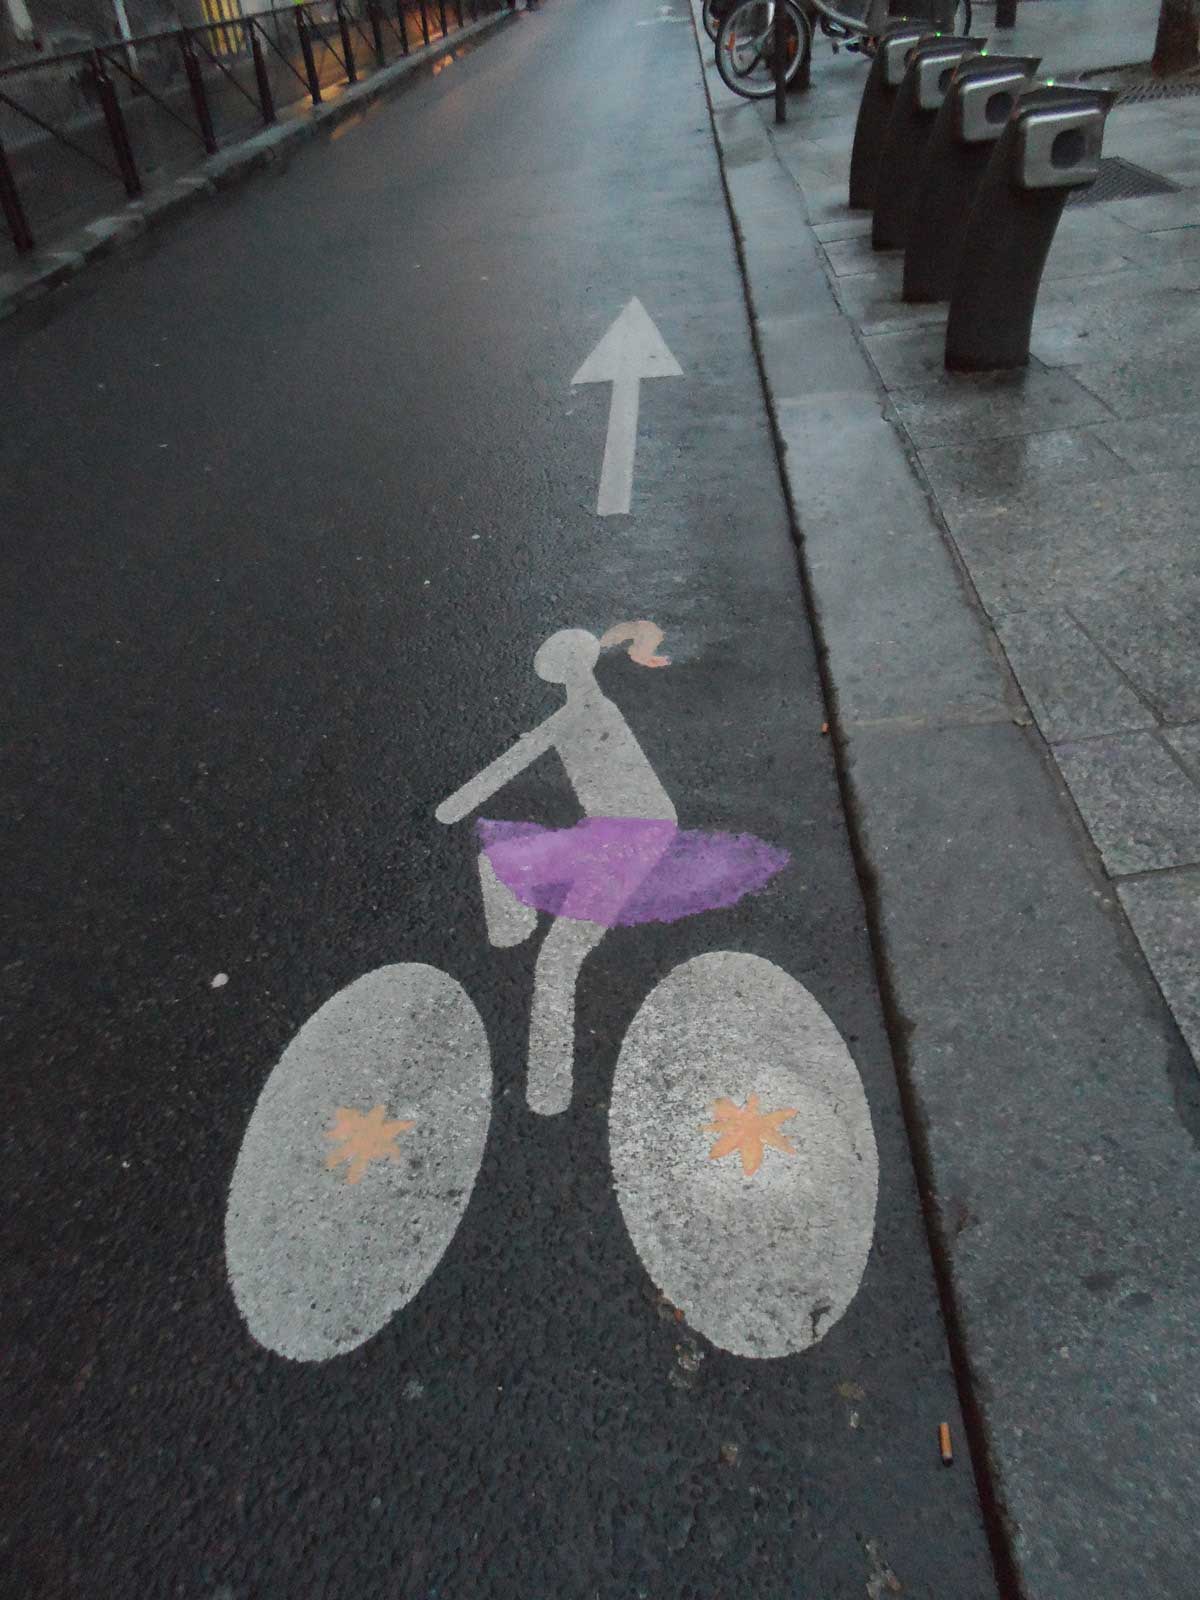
x: 627, y: 862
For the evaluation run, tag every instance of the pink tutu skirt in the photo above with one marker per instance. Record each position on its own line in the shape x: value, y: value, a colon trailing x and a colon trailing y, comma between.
x: 619, y: 871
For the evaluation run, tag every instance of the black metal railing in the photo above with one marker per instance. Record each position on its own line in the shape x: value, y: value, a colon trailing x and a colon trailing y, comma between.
x: 78, y: 129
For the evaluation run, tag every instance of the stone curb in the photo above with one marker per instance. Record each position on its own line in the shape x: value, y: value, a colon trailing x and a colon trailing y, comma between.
x: 94, y: 241
x: 1051, y: 1102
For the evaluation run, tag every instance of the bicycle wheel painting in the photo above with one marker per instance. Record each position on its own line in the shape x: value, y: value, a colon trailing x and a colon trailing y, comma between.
x: 743, y: 1153
x: 358, y: 1162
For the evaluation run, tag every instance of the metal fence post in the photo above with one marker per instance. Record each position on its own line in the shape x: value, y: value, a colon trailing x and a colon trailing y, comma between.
x: 266, y: 100
x: 403, y: 26
x: 458, y: 6
x: 1006, y: 13
x: 195, y: 78
x: 117, y: 130
x: 779, y: 62
x: 376, y: 20
x: 14, y: 211
x: 347, y: 47
x: 442, y: 17
x: 306, y: 50
x: 424, y: 23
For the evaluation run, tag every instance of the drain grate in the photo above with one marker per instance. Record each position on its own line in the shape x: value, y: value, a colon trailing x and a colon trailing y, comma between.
x: 1136, y: 84
x: 1178, y: 89
x: 1121, y: 180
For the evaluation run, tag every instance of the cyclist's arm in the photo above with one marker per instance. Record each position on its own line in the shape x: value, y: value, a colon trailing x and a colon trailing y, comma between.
x: 501, y: 771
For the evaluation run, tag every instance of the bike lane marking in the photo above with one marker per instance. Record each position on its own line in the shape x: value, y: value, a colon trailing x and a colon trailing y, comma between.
x: 762, y: 1253
x: 631, y: 350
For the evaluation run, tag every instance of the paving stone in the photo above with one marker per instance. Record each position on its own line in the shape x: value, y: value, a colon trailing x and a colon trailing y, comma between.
x: 1139, y: 806
x: 1154, y: 211
x: 1073, y: 691
x: 1186, y: 744
x: 1070, y: 258
x: 967, y: 475
x: 1109, y: 549
x: 1155, y: 444
x: 1150, y: 323
x: 964, y: 409
x: 905, y: 359
x: 1154, y: 146
x: 849, y: 257
x: 1101, y: 224
x: 873, y: 301
x: 1171, y: 246
x: 901, y: 642
x: 1149, y: 625
x: 1165, y: 913
x: 1183, y: 177
x: 1143, y: 385
x: 851, y: 226
x: 828, y: 204
x: 1116, y: 287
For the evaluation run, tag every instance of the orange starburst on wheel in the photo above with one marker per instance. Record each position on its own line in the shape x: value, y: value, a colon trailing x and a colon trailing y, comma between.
x: 747, y: 1129
x: 364, y: 1137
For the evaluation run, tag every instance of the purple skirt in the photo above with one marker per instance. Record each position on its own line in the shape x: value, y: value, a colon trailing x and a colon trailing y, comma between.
x: 619, y: 871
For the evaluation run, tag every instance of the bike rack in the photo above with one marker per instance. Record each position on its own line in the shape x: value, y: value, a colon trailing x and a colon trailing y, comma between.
x: 918, y: 100
x: 982, y: 94
x: 1050, y: 145
x: 875, y: 108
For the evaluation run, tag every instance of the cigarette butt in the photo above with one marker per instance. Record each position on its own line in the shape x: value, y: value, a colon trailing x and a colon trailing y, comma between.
x: 824, y: 727
x: 947, y: 1447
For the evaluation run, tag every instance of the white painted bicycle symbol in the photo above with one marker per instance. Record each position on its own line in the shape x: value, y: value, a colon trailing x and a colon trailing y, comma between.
x: 739, y: 1133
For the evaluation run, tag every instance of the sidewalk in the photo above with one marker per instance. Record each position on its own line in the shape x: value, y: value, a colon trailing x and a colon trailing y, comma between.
x: 1005, y: 574
x: 1070, y: 491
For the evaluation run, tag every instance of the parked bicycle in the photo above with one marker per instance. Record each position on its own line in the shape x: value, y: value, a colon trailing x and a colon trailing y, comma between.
x: 746, y: 31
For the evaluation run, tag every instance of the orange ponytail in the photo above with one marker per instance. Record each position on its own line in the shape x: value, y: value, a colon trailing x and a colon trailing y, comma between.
x: 643, y: 639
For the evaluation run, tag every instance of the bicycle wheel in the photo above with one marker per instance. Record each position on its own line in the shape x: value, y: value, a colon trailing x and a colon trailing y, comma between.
x: 743, y: 1155
x: 850, y: 19
x: 746, y: 43
x: 358, y: 1162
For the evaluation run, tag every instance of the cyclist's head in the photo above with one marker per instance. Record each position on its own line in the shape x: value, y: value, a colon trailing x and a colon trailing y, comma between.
x: 567, y: 656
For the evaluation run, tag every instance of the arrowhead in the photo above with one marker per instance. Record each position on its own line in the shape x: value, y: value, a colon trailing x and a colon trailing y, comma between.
x: 632, y: 348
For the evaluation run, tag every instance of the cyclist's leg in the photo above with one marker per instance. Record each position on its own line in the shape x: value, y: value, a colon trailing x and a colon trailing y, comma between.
x: 509, y: 920
x: 552, y: 1020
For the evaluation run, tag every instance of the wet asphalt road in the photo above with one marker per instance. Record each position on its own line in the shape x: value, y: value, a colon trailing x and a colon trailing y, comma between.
x: 290, y: 501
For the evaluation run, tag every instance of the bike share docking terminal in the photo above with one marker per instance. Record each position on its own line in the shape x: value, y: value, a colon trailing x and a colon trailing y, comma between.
x: 875, y: 108
x: 1050, y: 145
x: 972, y: 118
x: 927, y: 77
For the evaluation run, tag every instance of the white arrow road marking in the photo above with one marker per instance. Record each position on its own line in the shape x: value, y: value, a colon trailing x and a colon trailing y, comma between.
x: 631, y: 350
